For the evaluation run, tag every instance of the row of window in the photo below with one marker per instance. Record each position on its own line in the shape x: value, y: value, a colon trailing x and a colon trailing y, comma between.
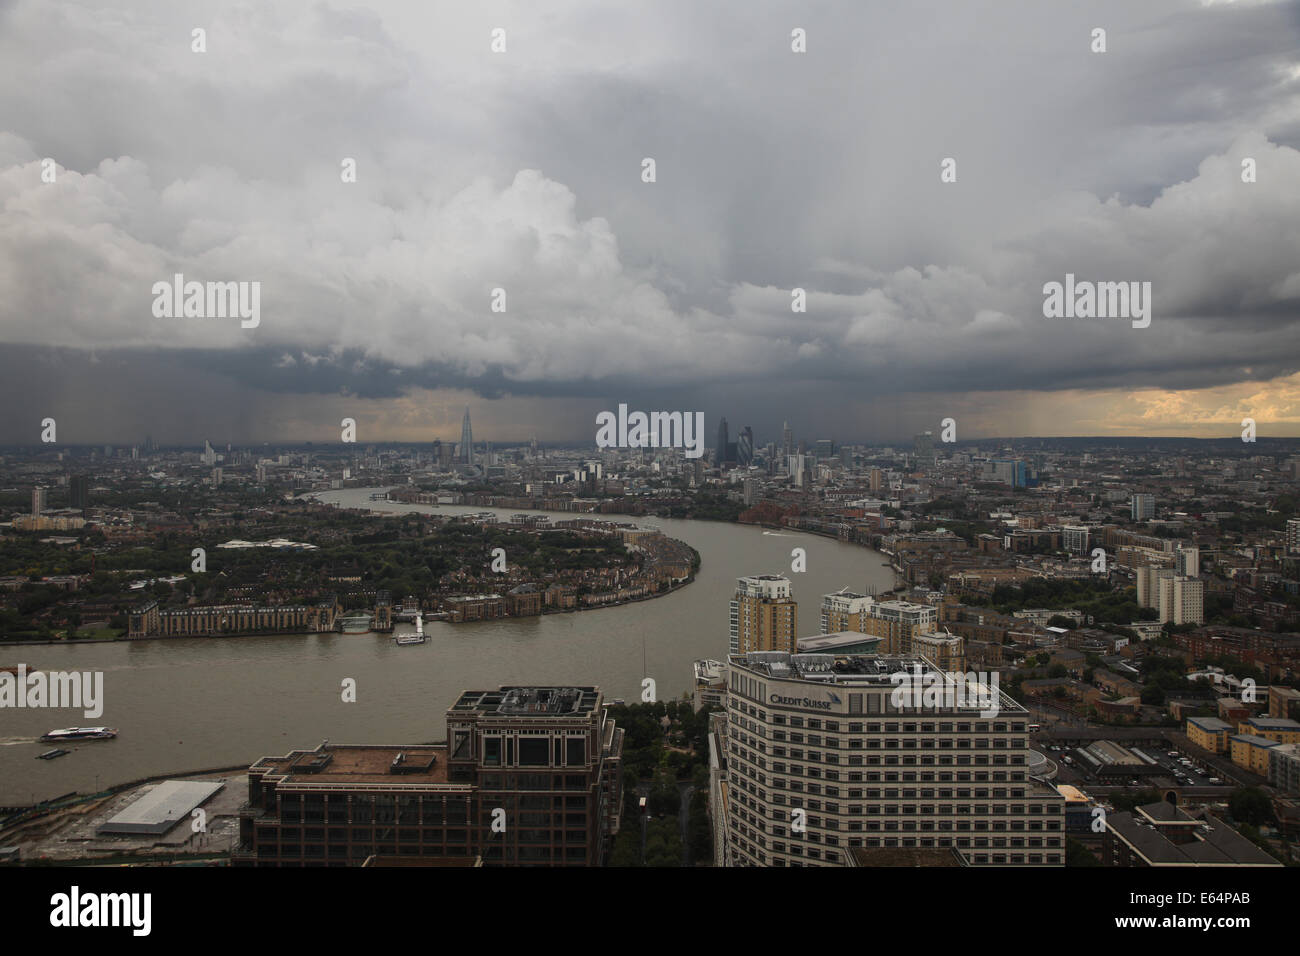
x: 836, y: 856
x: 962, y: 760
x: 874, y: 727
x: 871, y: 776
x: 292, y: 836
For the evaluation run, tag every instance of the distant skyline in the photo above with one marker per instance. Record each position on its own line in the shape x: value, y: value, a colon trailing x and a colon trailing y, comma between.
x: 499, y: 247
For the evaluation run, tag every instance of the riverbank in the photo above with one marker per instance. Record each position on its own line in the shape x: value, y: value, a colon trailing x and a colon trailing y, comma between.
x: 197, y: 702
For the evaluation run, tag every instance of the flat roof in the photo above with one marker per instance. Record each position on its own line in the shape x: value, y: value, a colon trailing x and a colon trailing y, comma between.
x: 530, y: 701
x: 840, y: 639
x: 1213, y: 843
x: 161, y: 808
x: 1275, y: 723
x: 363, y: 763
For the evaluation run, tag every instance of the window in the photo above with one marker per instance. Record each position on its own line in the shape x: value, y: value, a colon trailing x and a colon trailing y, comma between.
x: 492, y: 751
x: 533, y: 752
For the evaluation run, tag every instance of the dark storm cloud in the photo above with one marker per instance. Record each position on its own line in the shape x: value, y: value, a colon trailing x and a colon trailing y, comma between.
x: 521, y: 171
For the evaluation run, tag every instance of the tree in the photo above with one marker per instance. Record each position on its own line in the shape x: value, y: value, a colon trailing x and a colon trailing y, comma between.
x: 627, y: 847
x: 1076, y: 854
x: 1153, y: 695
x: 664, y: 798
x: 1251, y: 805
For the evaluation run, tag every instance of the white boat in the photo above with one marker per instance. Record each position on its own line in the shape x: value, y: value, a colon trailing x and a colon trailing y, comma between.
x: 417, y: 637
x: 81, y: 733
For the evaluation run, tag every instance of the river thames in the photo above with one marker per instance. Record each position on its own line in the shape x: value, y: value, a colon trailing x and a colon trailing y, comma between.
x: 193, y: 703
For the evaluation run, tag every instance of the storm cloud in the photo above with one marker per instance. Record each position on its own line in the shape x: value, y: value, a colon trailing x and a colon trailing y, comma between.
x: 521, y: 171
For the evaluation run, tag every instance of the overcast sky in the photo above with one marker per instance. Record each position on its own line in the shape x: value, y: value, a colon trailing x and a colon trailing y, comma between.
x: 523, y: 170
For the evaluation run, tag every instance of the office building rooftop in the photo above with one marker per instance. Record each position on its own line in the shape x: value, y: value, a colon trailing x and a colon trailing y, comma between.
x: 363, y: 763
x: 530, y: 701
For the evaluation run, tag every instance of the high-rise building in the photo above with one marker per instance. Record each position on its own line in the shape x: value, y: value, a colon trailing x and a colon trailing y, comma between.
x: 1074, y: 538
x: 1148, y: 584
x: 720, y: 450
x: 466, y: 440
x: 826, y: 766
x: 1181, y: 600
x: 1143, y: 507
x: 745, y: 447
x: 209, y: 453
x: 38, y: 500
x: 1293, y: 535
x: 843, y: 611
x: 529, y: 776
x: 764, y: 616
x: 925, y: 446
x: 797, y: 468
x: 1187, y: 560
x: 898, y: 622
x: 787, y: 440
x: 877, y: 480
x: 1009, y: 471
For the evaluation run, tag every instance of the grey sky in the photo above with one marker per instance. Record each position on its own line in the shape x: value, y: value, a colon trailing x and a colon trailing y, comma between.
x: 522, y: 170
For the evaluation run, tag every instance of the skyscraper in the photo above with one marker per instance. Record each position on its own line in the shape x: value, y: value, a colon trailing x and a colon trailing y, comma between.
x: 466, y: 440
x: 79, y: 492
x: 817, y: 747
x: 1181, y: 600
x: 745, y: 447
x: 787, y: 440
x: 38, y: 500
